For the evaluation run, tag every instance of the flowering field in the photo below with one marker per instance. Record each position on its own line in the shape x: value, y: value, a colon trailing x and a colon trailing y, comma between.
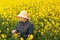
x: 44, y: 14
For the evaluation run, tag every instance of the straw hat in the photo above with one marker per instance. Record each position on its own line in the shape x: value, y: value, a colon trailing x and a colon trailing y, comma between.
x: 23, y: 14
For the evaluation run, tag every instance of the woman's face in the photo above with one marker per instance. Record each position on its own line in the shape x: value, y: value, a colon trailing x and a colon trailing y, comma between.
x: 23, y: 19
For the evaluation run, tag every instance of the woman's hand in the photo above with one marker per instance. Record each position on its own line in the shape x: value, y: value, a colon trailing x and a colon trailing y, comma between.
x: 14, y: 31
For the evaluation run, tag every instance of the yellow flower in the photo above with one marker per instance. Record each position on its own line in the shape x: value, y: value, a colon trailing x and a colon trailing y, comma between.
x: 30, y: 37
x: 42, y: 33
x: 3, y: 35
x: 55, y: 31
x: 7, y: 29
x: 6, y: 22
x: 15, y: 35
x: 2, y: 23
x: 21, y: 38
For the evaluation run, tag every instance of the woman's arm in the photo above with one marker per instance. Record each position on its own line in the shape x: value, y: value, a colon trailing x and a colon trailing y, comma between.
x: 17, y: 29
x: 31, y: 29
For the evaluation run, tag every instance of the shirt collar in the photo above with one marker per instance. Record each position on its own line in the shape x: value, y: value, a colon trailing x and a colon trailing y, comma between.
x: 24, y: 22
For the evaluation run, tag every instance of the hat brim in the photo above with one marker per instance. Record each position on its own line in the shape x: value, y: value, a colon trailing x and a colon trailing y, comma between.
x: 22, y: 16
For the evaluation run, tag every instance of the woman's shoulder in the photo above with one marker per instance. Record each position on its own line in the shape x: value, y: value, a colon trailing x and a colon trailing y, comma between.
x: 30, y: 23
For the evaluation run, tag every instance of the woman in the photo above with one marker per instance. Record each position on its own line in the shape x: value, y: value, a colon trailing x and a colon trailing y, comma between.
x: 24, y: 27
